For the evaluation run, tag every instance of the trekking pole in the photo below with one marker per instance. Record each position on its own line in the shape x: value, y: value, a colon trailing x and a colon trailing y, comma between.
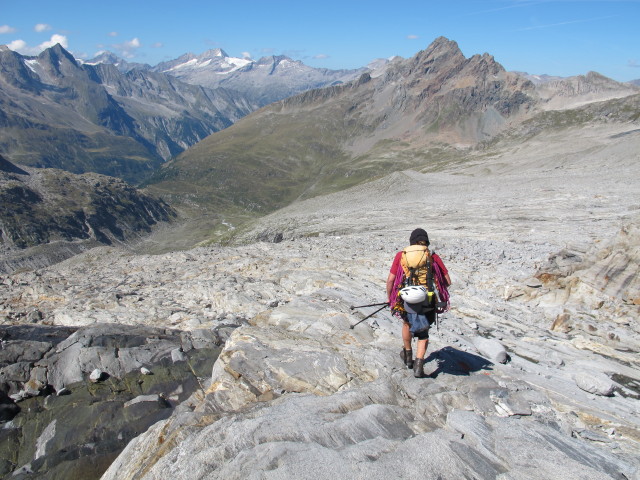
x: 368, y: 316
x: 370, y: 305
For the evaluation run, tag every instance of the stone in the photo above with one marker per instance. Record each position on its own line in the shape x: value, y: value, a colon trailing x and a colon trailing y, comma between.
x: 533, y: 282
x: 177, y: 355
x: 17, y: 372
x: 13, y: 351
x: 595, y: 382
x: 562, y: 323
x: 33, y: 388
x: 45, y: 437
x: 156, y: 399
x: 145, y: 371
x: 96, y: 375
x: 34, y: 316
x: 491, y: 348
x: 17, y: 397
x: 510, y: 404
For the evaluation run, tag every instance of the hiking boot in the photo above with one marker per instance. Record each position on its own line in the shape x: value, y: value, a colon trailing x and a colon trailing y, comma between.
x: 407, y: 357
x: 418, y: 368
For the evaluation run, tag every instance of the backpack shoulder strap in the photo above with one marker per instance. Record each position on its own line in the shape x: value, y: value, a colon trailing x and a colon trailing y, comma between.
x: 430, y: 285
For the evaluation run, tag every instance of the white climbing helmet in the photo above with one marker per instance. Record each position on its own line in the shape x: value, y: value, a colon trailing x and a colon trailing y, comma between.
x: 413, y: 294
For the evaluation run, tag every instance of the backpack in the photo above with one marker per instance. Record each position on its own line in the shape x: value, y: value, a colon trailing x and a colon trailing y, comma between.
x: 417, y: 264
x: 418, y: 268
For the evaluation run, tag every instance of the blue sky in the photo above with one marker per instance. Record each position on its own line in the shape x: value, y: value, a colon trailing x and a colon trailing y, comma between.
x: 564, y: 38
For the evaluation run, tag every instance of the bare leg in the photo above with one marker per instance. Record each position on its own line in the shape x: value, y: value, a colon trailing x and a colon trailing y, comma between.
x: 422, y: 348
x: 406, y: 336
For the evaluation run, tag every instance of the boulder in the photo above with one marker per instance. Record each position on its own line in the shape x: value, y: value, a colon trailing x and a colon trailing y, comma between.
x: 491, y: 348
x: 96, y: 375
x: 151, y: 399
x: 595, y: 382
x: 113, y: 349
x: 16, y: 372
x: 261, y: 364
x: 13, y: 351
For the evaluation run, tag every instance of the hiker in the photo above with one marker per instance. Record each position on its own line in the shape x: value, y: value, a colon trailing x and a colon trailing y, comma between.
x: 419, y: 271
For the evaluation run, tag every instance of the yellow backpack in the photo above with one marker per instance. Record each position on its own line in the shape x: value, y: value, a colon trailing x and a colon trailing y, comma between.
x: 416, y: 262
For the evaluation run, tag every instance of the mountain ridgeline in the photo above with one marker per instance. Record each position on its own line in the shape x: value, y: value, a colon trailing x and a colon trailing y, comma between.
x: 424, y: 113
x: 55, y: 112
x: 120, y: 119
x: 261, y: 82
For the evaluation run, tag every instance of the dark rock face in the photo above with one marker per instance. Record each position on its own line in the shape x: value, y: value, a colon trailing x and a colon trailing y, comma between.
x: 46, y: 206
x: 446, y: 89
x: 74, y: 429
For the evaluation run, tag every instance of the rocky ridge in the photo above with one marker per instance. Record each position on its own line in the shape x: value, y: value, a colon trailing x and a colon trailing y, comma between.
x: 542, y: 250
x: 421, y: 112
x: 48, y: 214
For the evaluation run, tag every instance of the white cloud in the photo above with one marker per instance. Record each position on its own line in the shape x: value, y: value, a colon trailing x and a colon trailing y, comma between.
x: 113, y: 34
x: 6, y: 29
x: 42, y: 27
x: 21, y: 46
x: 246, y: 55
x: 61, y: 39
x: 321, y: 56
x: 634, y: 64
x: 412, y: 37
x: 17, y: 46
x: 128, y: 49
x: 157, y: 45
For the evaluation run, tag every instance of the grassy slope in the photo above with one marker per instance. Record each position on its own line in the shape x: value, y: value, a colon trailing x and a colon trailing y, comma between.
x: 39, y: 145
x: 287, y: 152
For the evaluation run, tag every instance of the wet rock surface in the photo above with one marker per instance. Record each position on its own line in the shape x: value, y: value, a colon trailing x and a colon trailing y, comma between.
x: 80, y: 396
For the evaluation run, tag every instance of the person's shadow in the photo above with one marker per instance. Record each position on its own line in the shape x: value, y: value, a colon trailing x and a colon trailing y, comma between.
x: 456, y: 362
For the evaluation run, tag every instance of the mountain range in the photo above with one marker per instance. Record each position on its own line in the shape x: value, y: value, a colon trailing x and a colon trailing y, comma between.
x: 121, y: 119
x: 58, y: 113
x: 195, y: 132
x: 425, y: 113
x: 260, y: 82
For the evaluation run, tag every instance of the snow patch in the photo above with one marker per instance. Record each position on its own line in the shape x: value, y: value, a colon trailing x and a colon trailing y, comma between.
x: 190, y: 63
x: 239, y: 62
x: 31, y: 64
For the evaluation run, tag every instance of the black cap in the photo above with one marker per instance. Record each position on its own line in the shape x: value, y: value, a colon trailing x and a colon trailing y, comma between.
x: 418, y: 235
